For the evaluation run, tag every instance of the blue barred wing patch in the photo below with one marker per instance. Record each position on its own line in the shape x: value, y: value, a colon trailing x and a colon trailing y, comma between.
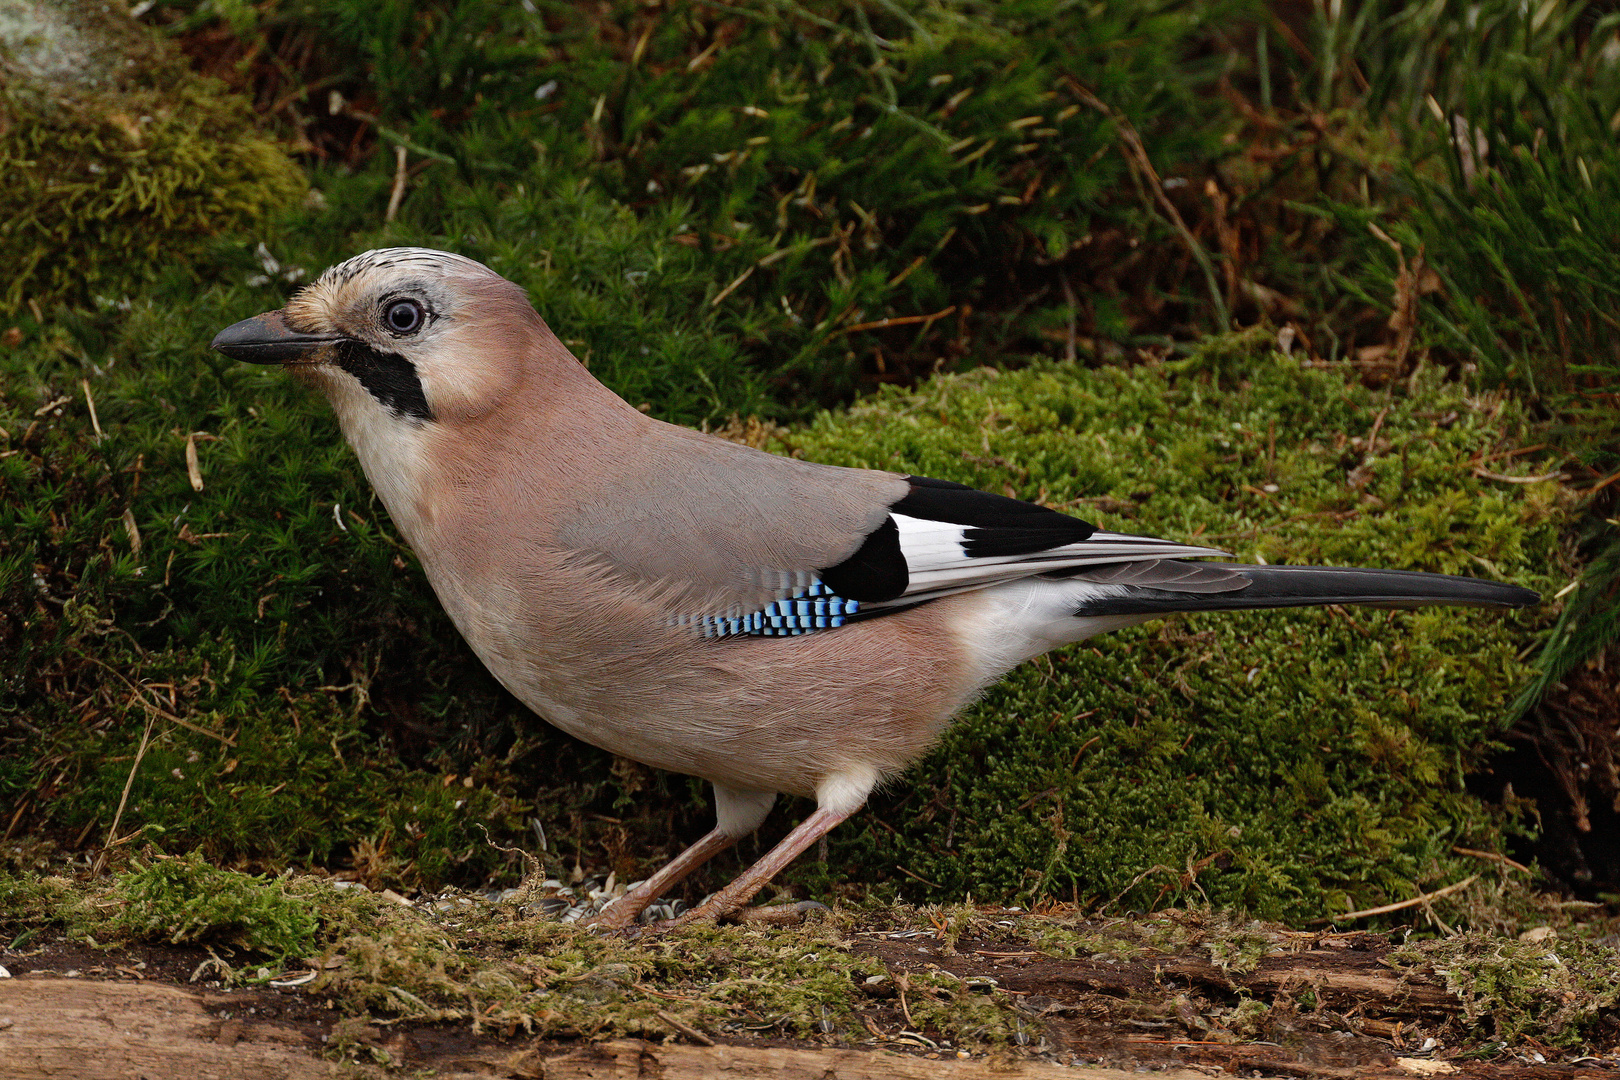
x: 804, y: 612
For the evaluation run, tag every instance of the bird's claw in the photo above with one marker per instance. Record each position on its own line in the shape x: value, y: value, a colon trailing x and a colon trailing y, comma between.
x: 779, y: 914
x: 714, y: 914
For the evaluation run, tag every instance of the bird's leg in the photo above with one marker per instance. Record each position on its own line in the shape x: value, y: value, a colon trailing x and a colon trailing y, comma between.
x: 737, y: 813
x: 732, y: 898
x: 624, y: 911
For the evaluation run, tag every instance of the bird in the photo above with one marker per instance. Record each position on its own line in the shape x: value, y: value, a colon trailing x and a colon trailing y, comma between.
x: 770, y: 625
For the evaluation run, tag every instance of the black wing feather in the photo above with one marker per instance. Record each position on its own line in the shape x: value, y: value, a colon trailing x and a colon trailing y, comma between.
x: 876, y: 572
x: 993, y: 526
x: 997, y: 526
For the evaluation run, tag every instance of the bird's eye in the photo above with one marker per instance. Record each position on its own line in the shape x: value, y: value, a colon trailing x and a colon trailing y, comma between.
x: 404, y: 316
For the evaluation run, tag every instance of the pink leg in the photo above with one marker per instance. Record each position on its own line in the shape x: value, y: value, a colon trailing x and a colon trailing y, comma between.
x: 624, y: 911
x: 732, y: 898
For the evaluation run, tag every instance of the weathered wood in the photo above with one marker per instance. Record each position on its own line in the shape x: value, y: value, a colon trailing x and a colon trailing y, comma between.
x: 1336, y: 978
x: 627, y: 1060
x: 80, y: 1029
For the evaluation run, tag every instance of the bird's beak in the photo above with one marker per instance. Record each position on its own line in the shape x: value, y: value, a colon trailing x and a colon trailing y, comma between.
x: 267, y: 339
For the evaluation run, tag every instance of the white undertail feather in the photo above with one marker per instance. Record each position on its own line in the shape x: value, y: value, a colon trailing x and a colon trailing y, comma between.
x: 738, y: 813
x: 1005, y: 625
x: 846, y: 791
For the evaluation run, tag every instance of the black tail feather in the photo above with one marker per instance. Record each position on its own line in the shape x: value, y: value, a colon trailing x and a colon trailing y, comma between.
x: 1152, y: 588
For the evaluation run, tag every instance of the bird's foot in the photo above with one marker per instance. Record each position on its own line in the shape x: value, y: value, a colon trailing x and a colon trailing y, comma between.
x: 763, y: 915
x: 779, y: 914
x: 619, y: 916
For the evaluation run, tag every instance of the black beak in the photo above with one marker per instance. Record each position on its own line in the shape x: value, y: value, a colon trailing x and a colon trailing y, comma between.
x: 267, y: 339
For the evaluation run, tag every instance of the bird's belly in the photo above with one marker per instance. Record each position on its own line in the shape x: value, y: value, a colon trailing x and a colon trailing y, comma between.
x: 750, y: 713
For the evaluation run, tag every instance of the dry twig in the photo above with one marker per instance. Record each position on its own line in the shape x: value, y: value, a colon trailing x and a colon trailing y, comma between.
x: 1404, y: 904
x: 685, y: 1029
x: 904, y: 320
x: 95, y: 421
x: 397, y: 195
x: 1491, y: 856
x: 123, y: 800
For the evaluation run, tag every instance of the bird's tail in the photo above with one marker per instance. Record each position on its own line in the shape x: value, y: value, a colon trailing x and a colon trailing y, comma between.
x: 1163, y: 586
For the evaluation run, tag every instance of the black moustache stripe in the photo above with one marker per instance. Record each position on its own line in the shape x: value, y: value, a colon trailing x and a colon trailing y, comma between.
x: 388, y: 377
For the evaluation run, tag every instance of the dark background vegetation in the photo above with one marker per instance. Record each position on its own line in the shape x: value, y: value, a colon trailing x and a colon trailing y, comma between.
x: 210, y: 635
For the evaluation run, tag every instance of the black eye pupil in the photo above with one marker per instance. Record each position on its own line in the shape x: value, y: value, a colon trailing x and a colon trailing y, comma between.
x: 404, y: 316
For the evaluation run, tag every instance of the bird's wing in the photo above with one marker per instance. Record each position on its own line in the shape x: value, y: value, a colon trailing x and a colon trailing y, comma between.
x: 942, y: 538
x: 731, y: 535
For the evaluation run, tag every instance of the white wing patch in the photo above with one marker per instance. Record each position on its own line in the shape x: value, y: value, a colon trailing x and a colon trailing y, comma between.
x: 938, y: 563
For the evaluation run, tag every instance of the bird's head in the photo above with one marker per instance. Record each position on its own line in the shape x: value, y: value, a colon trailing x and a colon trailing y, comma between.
x: 401, y: 335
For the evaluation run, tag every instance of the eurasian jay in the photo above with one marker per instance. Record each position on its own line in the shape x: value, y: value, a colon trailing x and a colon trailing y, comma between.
x: 767, y: 624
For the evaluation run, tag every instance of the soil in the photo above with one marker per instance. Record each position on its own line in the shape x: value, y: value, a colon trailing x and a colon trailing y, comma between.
x: 1564, y: 754
x: 1332, y: 1009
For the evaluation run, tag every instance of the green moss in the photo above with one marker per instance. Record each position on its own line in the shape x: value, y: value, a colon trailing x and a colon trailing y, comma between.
x: 236, y: 776
x: 479, y: 964
x: 1232, y: 943
x: 119, y: 161
x: 1557, y: 990
x: 1248, y: 1019
x: 29, y: 902
x: 181, y: 900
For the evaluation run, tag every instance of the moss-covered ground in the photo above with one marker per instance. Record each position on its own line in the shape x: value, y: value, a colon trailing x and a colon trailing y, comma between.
x: 955, y: 978
x: 1201, y: 269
